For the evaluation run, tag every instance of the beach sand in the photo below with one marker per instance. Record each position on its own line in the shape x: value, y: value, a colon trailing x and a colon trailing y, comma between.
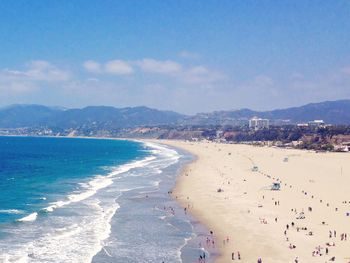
x: 255, y: 218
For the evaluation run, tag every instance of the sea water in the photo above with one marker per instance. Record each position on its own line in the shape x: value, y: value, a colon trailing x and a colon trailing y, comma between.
x: 92, y: 200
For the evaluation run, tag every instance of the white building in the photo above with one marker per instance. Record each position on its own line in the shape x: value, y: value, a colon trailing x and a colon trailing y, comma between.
x: 303, y: 125
x: 316, y: 123
x: 258, y: 123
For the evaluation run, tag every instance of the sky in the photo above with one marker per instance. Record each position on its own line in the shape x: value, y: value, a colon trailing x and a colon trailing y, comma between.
x: 186, y: 56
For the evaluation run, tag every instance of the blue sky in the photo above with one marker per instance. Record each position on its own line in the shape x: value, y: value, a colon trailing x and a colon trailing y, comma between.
x: 187, y: 56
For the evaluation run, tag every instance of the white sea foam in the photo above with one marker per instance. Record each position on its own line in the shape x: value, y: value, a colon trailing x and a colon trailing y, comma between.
x: 162, y: 150
x: 29, y: 218
x: 21, y: 258
x: 95, y: 185
x: 99, y: 182
x: 76, y: 242
x: 135, y: 164
x: 156, y: 183
x: 81, y: 240
x: 11, y: 211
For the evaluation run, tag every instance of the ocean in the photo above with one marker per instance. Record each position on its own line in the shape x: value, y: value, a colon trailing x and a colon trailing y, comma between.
x: 92, y: 200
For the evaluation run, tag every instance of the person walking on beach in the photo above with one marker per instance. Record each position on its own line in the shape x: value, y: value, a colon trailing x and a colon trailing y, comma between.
x: 259, y: 260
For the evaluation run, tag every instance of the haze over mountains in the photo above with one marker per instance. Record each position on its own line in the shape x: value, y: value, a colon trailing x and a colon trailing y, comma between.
x: 332, y: 112
x: 16, y: 116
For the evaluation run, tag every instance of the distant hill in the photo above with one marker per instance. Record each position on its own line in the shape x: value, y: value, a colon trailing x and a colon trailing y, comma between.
x: 99, y: 116
x: 16, y: 116
x: 333, y: 112
x: 103, y: 117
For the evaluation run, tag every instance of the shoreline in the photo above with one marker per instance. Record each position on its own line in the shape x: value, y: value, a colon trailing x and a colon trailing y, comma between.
x: 177, y: 196
x: 148, y: 192
x: 254, y: 217
x: 199, y: 228
x: 246, y: 217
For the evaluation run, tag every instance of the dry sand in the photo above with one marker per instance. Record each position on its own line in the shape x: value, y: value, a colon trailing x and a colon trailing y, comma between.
x: 246, y: 211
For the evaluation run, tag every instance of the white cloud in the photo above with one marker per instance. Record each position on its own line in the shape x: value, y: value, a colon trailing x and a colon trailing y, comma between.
x: 19, y: 86
x: 159, y: 66
x: 44, y: 71
x: 92, y: 66
x: 37, y: 70
x: 29, y: 79
x: 201, y: 75
x: 118, y: 67
x: 190, y: 75
x: 113, y: 67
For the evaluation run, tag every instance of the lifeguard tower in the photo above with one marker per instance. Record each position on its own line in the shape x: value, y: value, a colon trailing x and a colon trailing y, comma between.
x: 276, y: 187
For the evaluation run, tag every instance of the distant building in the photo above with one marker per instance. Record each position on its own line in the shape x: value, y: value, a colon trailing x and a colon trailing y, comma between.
x: 316, y: 123
x: 258, y: 123
x: 303, y: 125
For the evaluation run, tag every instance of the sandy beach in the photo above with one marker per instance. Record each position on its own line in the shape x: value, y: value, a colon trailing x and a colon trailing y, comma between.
x: 307, y: 220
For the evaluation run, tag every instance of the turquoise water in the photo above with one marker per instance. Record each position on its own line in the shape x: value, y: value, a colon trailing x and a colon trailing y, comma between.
x: 37, y: 171
x: 90, y: 200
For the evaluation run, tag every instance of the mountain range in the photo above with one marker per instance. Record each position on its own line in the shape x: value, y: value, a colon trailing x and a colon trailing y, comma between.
x: 332, y: 112
x: 16, y: 116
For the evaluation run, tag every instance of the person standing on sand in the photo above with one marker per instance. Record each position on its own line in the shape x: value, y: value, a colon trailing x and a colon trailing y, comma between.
x: 233, y: 256
x: 259, y: 260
